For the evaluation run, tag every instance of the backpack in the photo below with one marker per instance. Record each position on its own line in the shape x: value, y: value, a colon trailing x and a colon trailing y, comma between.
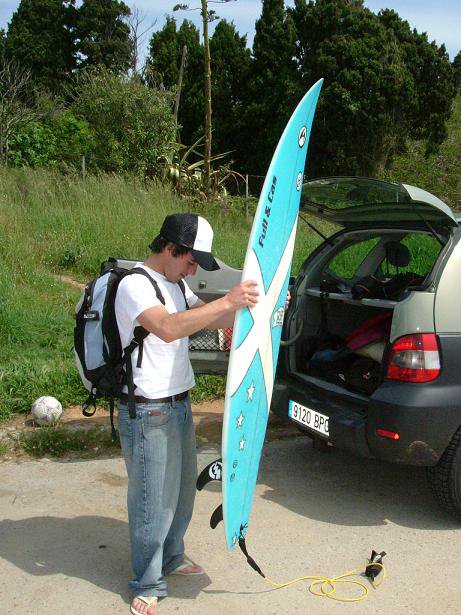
x: 104, y: 366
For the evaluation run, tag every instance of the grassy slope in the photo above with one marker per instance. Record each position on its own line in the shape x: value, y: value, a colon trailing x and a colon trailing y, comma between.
x: 440, y: 173
x: 56, y: 224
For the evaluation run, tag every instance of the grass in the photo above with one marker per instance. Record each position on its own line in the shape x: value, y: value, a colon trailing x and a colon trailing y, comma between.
x: 4, y: 448
x: 57, y: 441
x: 438, y: 173
x: 59, y: 225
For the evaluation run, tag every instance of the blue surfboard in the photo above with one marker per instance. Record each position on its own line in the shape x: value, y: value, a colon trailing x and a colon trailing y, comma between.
x: 257, y: 331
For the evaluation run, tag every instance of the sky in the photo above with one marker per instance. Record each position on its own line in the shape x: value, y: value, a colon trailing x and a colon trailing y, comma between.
x: 441, y: 19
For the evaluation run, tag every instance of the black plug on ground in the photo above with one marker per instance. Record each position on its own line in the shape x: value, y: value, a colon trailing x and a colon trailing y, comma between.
x: 373, y: 567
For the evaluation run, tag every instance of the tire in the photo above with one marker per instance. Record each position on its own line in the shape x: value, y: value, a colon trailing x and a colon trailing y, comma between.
x: 445, y: 478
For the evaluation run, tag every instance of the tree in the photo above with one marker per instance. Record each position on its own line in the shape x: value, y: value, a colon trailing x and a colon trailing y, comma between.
x: 138, y: 32
x: 457, y: 71
x: 103, y: 35
x: 162, y: 69
x: 15, y: 83
x: 432, y: 76
x: 272, y: 89
x: 373, y: 98
x: 162, y: 62
x: 40, y: 38
x: 133, y: 124
x: 230, y: 65
x: 2, y: 43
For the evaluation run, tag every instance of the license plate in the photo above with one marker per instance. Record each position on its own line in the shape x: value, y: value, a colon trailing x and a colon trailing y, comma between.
x: 310, y: 418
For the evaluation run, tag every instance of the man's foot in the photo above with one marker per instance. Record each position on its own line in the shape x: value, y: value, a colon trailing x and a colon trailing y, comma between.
x: 144, y: 605
x: 188, y: 569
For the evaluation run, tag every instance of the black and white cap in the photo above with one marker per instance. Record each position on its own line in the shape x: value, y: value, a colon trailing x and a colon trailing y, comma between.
x: 194, y: 232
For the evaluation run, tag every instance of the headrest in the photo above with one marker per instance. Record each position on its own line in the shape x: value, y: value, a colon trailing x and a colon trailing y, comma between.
x: 397, y: 254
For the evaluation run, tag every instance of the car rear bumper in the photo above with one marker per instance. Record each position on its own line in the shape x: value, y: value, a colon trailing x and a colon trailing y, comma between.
x: 425, y: 417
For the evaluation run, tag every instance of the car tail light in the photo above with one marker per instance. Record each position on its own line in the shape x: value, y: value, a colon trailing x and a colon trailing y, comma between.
x: 385, y: 433
x: 414, y: 358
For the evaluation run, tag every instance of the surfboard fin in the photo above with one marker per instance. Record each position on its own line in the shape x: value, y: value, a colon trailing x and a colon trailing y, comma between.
x: 216, y: 517
x: 213, y: 471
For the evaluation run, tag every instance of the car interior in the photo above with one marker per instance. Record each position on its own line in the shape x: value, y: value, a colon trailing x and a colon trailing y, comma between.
x: 346, y: 298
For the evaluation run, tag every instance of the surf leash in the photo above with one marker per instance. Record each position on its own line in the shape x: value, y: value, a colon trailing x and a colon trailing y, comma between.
x: 326, y: 587
x: 321, y: 586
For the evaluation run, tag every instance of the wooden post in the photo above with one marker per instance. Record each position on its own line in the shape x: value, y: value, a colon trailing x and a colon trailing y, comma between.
x: 181, y: 74
x: 83, y: 168
x: 206, y: 47
x: 246, y: 196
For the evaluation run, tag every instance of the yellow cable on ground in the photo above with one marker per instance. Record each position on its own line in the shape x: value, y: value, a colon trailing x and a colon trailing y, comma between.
x: 326, y: 587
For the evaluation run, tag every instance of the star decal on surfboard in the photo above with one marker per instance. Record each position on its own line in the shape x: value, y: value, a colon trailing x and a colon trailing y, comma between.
x: 240, y: 420
x: 251, y: 389
x: 242, y: 444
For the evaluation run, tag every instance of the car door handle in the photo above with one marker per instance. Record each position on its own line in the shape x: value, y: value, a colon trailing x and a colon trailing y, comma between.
x: 202, y: 284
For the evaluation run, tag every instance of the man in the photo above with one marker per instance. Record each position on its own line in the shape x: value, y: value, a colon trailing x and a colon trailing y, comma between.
x: 159, y: 444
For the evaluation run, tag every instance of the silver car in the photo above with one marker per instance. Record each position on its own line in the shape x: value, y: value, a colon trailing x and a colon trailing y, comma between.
x: 372, y: 339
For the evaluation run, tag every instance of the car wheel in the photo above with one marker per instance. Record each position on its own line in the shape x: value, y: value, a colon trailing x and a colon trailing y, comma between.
x: 445, y: 478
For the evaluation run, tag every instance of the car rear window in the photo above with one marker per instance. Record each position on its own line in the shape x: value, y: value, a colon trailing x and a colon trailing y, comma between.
x: 346, y: 263
x: 423, y: 252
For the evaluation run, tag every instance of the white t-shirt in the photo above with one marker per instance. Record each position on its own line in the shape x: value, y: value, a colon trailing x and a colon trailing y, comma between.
x: 165, y: 368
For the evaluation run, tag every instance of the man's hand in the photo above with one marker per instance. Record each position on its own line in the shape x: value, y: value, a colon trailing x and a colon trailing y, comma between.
x: 244, y: 294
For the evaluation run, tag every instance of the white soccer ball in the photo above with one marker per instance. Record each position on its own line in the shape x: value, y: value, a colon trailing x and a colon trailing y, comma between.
x: 46, y: 410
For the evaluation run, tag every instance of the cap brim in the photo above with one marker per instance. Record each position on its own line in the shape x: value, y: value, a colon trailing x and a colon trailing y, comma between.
x: 205, y: 260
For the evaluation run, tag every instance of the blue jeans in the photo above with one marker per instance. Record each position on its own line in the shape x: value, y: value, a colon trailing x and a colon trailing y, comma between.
x: 160, y: 454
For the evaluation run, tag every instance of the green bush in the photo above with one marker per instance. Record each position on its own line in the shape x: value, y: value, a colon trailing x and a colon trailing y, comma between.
x: 63, y: 138
x: 133, y: 125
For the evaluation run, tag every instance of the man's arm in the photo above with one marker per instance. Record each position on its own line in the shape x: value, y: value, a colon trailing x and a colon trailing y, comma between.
x: 222, y: 322
x: 216, y: 314
x: 227, y: 321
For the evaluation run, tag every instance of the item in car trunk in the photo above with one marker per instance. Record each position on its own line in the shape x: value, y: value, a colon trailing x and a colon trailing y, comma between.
x: 362, y: 375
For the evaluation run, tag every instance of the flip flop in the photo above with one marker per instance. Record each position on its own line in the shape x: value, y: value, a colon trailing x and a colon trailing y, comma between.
x: 149, y: 600
x: 180, y: 570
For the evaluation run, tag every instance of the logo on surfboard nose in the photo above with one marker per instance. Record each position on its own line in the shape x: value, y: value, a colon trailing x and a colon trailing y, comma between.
x: 302, y: 136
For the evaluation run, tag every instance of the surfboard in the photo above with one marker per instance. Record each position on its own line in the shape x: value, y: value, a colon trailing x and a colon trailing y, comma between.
x: 257, y: 331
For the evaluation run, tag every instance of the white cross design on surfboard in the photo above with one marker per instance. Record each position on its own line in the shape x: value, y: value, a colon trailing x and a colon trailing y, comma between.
x: 262, y: 323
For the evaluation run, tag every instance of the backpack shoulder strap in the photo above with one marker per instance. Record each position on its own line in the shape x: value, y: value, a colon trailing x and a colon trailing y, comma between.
x: 183, y: 290
x: 141, y: 271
